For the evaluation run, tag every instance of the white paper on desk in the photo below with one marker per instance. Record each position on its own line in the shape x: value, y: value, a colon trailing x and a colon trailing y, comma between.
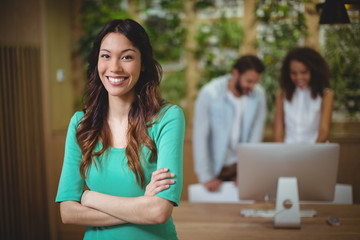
x: 228, y: 193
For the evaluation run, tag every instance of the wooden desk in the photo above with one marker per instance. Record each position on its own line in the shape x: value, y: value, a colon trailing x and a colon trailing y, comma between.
x: 223, y: 221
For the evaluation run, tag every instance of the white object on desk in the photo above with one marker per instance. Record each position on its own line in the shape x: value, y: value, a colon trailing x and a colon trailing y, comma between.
x: 228, y: 193
x: 249, y: 212
x: 343, y: 195
x: 287, y: 212
x: 287, y: 204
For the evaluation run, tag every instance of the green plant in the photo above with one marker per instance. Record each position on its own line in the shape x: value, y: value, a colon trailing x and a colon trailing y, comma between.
x: 173, y: 87
x: 203, y: 4
x: 282, y: 25
x: 167, y: 34
x: 165, y: 29
x: 94, y: 15
x: 218, y: 44
x: 342, y: 50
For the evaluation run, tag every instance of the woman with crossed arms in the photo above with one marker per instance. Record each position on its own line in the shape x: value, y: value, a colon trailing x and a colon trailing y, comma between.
x: 126, y: 145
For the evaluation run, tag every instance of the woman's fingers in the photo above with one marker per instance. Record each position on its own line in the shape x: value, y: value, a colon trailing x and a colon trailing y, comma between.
x: 164, y: 182
x: 159, y: 186
x: 156, y: 184
x: 159, y: 171
x: 161, y: 174
x: 160, y: 180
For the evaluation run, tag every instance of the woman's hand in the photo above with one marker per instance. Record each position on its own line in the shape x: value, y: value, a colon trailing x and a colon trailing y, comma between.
x: 159, y: 181
x: 147, y: 209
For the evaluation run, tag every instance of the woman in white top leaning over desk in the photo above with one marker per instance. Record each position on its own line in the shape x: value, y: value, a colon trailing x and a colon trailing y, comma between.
x: 304, y: 102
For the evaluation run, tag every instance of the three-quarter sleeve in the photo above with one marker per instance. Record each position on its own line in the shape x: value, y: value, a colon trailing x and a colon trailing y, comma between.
x: 71, y: 185
x: 170, y: 141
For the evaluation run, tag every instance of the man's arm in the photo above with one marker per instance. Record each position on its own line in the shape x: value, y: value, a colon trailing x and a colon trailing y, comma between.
x: 200, y: 140
x: 257, y: 133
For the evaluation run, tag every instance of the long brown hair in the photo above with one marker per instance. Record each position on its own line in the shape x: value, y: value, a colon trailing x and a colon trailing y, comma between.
x: 147, y: 104
x: 319, y: 71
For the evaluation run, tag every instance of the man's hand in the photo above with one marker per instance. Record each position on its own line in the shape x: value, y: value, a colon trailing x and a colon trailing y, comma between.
x: 213, y: 185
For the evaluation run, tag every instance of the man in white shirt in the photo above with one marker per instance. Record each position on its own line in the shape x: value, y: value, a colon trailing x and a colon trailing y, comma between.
x: 229, y: 110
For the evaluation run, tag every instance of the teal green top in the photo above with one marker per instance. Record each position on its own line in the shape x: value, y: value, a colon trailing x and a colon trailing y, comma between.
x: 113, y: 176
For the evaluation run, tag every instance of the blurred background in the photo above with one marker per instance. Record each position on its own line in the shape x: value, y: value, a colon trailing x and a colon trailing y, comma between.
x: 43, y: 50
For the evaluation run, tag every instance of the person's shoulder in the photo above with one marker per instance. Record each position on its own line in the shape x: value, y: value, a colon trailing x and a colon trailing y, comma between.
x: 328, y: 95
x: 78, y: 114
x: 258, y: 90
x: 221, y: 80
x: 280, y: 93
x: 170, y: 111
x: 169, y: 115
x: 328, y: 92
x: 77, y: 117
x: 216, y: 85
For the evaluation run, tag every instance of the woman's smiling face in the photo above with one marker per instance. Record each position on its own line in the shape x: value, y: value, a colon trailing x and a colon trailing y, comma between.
x: 299, y: 74
x: 119, y: 65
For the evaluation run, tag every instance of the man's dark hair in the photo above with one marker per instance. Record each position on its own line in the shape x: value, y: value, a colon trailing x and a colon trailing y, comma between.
x: 249, y: 62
